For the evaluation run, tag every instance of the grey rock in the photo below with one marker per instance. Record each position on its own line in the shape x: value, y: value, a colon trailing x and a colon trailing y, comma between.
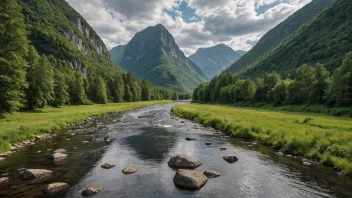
x: 36, y: 173
x: 56, y: 188
x: 211, y: 174
x: 230, y: 159
x: 184, y: 161
x: 190, y: 179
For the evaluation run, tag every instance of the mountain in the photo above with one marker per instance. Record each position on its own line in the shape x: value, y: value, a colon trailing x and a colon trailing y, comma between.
x: 326, y: 40
x: 214, y: 60
x: 278, y: 34
x: 153, y: 55
x: 116, y: 53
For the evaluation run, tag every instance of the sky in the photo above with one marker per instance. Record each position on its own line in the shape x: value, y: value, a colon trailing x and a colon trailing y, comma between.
x: 193, y: 23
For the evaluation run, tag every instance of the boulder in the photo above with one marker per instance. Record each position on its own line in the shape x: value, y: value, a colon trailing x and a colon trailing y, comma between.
x: 306, y: 163
x: 60, y: 151
x: 3, y: 180
x: 90, y: 191
x: 190, y: 179
x: 211, y: 174
x: 56, y: 188
x: 222, y: 149
x: 208, y: 143
x: 129, y: 170
x: 230, y: 159
x: 191, y: 139
x: 107, y: 166
x: 184, y: 161
x: 59, y: 156
x: 36, y: 173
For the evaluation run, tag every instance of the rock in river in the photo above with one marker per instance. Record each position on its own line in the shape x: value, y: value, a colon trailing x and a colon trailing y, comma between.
x: 107, y: 166
x: 60, y: 151
x: 91, y: 191
x: 59, y: 156
x: 191, y: 139
x: 208, y: 143
x: 56, y: 188
x: 230, y: 159
x: 36, y: 173
x: 184, y: 161
x: 211, y: 174
x: 190, y: 179
x: 129, y: 170
x: 4, y: 180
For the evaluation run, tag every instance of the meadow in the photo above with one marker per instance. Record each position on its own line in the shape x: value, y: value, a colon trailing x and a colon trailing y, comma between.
x: 320, y: 137
x: 23, y: 125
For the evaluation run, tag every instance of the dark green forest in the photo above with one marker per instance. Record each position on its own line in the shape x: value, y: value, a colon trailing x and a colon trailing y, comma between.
x: 39, y: 66
x: 311, y: 86
x: 326, y: 39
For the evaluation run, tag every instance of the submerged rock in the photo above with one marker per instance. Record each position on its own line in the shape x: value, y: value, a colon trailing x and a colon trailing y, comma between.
x: 3, y: 180
x: 56, y: 188
x: 91, y: 191
x: 222, y: 149
x: 36, y: 173
x: 190, y: 179
x: 107, y: 166
x: 59, y: 156
x: 230, y: 159
x: 208, y: 143
x: 191, y: 139
x: 60, y: 151
x: 211, y: 174
x: 129, y: 170
x: 184, y: 161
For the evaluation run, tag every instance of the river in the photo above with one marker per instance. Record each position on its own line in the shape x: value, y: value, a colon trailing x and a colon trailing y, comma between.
x: 145, y: 139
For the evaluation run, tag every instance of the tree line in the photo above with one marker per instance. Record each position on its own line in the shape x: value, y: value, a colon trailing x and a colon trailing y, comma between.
x: 31, y: 80
x: 309, y: 85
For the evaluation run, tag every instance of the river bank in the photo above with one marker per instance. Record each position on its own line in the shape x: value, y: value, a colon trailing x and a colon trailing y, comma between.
x: 21, y: 128
x: 324, y: 139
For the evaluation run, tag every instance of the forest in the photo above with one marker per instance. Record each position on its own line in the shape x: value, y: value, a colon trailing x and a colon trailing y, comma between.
x: 31, y: 80
x: 309, y: 86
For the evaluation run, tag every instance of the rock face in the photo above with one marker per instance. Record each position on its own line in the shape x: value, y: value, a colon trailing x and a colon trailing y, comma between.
x: 184, y: 161
x: 4, y: 180
x: 230, y: 159
x: 129, y: 170
x: 59, y: 156
x: 211, y: 174
x: 107, y: 166
x: 91, y: 191
x: 190, y: 179
x: 36, y: 173
x: 56, y: 188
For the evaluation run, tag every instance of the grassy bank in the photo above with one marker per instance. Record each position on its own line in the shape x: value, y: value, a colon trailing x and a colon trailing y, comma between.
x: 316, y: 136
x: 25, y: 125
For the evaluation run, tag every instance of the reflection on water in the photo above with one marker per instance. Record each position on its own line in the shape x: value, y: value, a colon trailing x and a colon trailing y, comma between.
x: 152, y: 144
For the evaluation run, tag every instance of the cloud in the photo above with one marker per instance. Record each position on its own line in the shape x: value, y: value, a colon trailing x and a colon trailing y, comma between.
x: 193, y: 23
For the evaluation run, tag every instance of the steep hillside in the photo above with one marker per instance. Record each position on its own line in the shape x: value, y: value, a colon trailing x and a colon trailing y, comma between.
x: 324, y: 40
x: 214, y: 60
x: 153, y: 55
x: 116, y: 53
x: 56, y: 29
x: 275, y: 36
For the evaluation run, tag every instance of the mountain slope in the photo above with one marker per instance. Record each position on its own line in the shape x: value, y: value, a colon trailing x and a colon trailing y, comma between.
x: 56, y: 29
x: 214, y: 60
x: 116, y: 53
x: 275, y: 36
x: 153, y: 55
x: 324, y: 40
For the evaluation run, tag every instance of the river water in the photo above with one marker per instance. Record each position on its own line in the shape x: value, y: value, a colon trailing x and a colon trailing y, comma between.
x: 145, y: 139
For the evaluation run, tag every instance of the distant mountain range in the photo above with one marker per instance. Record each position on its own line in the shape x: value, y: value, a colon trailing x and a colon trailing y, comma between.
x: 153, y: 55
x: 116, y: 53
x: 214, y: 60
x: 271, y: 40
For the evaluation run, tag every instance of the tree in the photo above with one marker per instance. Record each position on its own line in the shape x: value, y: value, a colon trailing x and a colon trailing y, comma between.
x: 300, y: 88
x: 76, y: 88
x: 98, y: 92
x: 61, y: 96
x: 319, y: 85
x: 13, y: 53
x: 128, y: 94
x: 175, y: 96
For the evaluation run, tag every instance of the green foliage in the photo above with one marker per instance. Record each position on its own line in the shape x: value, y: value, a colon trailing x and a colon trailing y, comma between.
x: 61, y: 96
x: 274, y: 37
x: 326, y: 39
x: 324, y: 138
x: 13, y: 53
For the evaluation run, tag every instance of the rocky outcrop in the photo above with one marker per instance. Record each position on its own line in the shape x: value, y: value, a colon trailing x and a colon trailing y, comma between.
x: 36, y: 173
x: 129, y: 170
x: 211, y: 174
x: 230, y: 159
x: 184, y: 161
x: 56, y: 188
x: 90, y: 191
x: 190, y: 179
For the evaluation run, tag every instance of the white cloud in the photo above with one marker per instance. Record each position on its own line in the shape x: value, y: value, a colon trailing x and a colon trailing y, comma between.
x: 233, y: 22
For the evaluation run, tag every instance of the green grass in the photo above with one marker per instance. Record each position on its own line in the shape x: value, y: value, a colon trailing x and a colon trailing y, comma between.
x: 19, y: 126
x: 316, y: 136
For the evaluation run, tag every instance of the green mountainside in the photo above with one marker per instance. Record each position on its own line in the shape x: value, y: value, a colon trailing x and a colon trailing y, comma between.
x: 153, y: 55
x: 324, y: 40
x: 278, y: 34
x: 116, y: 53
x: 214, y: 60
